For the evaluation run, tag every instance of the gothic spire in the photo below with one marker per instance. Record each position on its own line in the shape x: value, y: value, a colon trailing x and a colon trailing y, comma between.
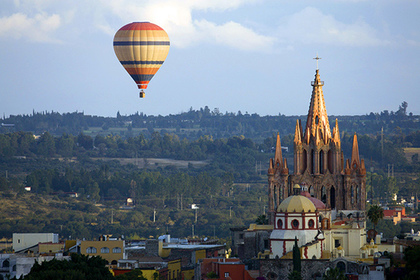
x: 298, y: 136
x: 278, y: 158
x: 317, y: 114
x: 355, y: 161
x: 336, y: 133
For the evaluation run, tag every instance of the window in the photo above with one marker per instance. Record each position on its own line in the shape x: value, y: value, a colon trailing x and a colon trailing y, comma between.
x: 91, y: 250
x: 311, y: 191
x: 336, y: 243
x: 116, y: 250
x: 279, y: 224
x: 226, y: 274
x: 295, y: 224
x: 311, y: 223
x: 324, y: 194
x: 241, y: 236
x: 6, y: 263
x: 104, y: 250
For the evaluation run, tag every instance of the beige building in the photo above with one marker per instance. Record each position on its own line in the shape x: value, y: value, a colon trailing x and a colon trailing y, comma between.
x: 109, y: 249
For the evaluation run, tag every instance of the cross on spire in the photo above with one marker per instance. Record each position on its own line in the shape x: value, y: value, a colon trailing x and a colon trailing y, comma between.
x: 317, y: 58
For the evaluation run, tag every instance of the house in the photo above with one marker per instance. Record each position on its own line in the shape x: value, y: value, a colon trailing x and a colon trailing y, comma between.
x: 23, y: 241
x: 110, y: 249
x: 397, y: 214
x: 231, y: 268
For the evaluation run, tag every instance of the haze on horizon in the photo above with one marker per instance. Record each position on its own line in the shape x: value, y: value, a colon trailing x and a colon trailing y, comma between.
x: 242, y: 55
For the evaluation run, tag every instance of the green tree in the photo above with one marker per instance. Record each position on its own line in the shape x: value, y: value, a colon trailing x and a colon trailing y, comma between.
x: 46, y: 144
x: 212, y: 275
x: 79, y: 267
x: 374, y: 214
x: 412, y: 257
x: 261, y: 220
x: 297, y: 265
x: 334, y: 274
x: 135, y: 274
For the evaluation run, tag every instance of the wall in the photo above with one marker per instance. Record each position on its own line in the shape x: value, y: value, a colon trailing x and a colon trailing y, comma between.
x: 100, y: 244
x: 26, y: 240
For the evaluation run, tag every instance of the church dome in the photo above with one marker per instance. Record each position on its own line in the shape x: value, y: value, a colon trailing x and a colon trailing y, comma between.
x: 296, y: 203
x: 318, y: 203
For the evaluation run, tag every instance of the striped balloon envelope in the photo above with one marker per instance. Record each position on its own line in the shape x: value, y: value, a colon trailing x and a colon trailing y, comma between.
x: 141, y: 47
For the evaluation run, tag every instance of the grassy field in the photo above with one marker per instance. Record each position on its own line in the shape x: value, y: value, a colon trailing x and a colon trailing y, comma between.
x: 409, y: 152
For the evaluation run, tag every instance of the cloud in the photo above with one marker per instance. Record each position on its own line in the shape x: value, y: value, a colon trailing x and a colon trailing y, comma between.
x: 234, y: 35
x: 38, y: 28
x: 176, y: 17
x: 311, y: 26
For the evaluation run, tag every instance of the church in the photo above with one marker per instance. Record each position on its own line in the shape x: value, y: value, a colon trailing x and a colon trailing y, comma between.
x: 318, y: 163
x: 324, y: 196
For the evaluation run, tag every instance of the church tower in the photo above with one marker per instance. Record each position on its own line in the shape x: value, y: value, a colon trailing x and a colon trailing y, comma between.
x: 319, y: 162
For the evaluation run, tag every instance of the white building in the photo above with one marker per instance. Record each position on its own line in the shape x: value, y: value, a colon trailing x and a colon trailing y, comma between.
x: 22, y: 241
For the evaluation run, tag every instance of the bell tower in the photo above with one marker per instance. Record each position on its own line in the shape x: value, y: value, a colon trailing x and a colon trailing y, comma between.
x: 319, y: 161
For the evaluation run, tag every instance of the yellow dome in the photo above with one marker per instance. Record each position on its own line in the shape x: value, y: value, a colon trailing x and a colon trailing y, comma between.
x: 340, y: 248
x: 296, y: 203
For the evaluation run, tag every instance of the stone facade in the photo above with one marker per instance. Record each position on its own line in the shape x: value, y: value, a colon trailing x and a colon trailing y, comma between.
x: 274, y: 269
x: 318, y: 163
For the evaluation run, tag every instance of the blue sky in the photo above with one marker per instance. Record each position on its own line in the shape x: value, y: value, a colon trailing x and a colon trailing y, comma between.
x: 247, y: 55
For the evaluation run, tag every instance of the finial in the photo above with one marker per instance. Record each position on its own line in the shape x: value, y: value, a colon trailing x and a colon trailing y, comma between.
x: 317, y: 58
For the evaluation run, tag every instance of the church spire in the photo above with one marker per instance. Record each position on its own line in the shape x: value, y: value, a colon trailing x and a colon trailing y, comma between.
x: 336, y: 133
x: 317, y: 114
x: 278, y: 158
x: 298, y: 136
x: 355, y: 161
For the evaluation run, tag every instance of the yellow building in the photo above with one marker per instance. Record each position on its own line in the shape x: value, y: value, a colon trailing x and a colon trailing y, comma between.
x: 174, y: 269
x: 110, y: 250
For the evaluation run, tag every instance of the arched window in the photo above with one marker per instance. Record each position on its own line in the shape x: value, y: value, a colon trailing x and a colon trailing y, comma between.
x: 6, y: 263
x: 332, y: 197
x: 91, y: 250
x: 312, y: 162
x: 330, y: 161
x: 305, y: 161
x: 295, y: 224
x: 341, y: 266
x: 321, y: 162
x: 104, y: 250
x: 114, y: 262
x: 352, y: 194
x: 14, y: 268
x: 116, y: 250
x: 311, y: 191
x: 324, y: 194
x: 311, y: 223
x: 357, y: 193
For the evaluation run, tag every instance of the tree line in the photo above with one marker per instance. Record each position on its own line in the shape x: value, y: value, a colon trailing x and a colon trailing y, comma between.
x: 195, y: 123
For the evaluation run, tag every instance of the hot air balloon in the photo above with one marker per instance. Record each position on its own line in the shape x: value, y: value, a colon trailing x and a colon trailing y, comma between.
x: 141, y: 47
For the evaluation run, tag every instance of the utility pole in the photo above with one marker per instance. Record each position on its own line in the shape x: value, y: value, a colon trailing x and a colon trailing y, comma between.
x: 382, y: 146
x: 371, y: 181
x: 154, y: 214
x: 112, y: 216
x: 196, y: 214
x: 230, y: 212
x: 192, y: 227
